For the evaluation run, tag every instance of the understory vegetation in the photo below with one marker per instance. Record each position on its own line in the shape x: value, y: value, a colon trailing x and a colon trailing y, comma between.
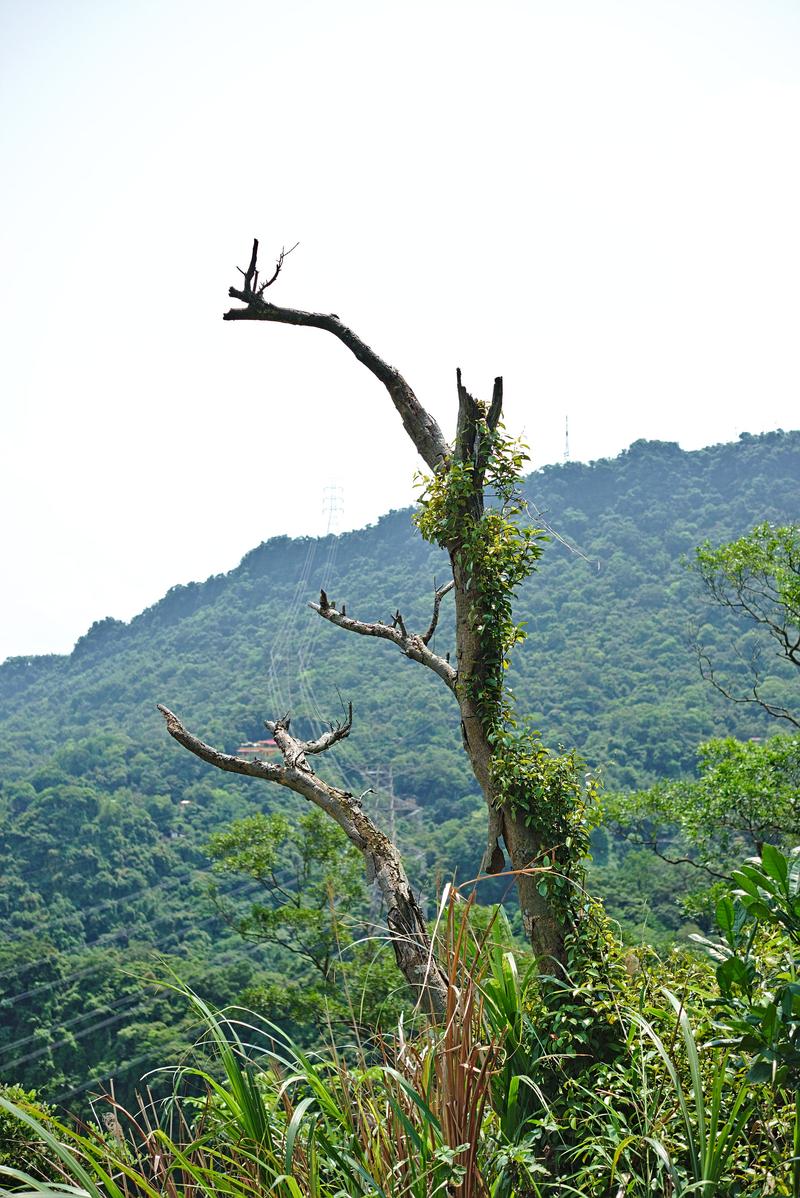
x: 646, y: 1076
x: 159, y: 921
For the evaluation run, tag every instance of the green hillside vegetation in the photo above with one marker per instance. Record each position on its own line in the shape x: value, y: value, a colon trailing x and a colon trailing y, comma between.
x: 104, y: 822
x: 645, y: 1077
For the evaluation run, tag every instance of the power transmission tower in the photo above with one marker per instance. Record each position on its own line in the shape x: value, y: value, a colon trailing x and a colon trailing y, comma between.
x: 333, y: 508
x: 566, y: 438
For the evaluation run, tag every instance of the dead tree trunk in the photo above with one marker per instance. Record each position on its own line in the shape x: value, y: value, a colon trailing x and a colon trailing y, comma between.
x: 545, y: 924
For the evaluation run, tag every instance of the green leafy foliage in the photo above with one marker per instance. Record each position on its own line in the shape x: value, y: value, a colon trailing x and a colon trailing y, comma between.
x: 758, y: 576
x: 746, y: 793
x: 17, y: 1144
x: 759, y: 985
x: 112, y: 870
x: 510, y: 1099
x: 312, y: 903
x: 311, y: 883
x: 495, y: 552
x: 757, y: 579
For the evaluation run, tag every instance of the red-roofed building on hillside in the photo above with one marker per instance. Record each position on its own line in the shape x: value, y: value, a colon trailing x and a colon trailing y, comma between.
x: 257, y: 750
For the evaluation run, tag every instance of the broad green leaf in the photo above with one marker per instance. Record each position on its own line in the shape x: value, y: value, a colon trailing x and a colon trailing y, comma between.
x: 759, y: 1072
x: 775, y: 864
x: 726, y: 916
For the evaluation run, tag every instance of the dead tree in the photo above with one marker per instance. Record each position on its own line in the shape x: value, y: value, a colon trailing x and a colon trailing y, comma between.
x: 412, y: 945
x: 526, y: 842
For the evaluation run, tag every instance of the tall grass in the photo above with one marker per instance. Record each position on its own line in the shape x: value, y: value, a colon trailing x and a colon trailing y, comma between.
x: 711, y: 1131
x: 400, y: 1120
x: 500, y: 1099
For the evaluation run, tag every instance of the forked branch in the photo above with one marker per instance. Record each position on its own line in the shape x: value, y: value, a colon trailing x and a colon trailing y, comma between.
x: 294, y: 751
x: 475, y: 441
x: 223, y: 761
x: 412, y: 645
x: 335, y: 733
x: 340, y: 805
x: 773, y: 709
x: 251, y: 284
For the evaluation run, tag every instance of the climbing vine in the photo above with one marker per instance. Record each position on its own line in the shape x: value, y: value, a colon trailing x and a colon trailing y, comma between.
x: 495, y: 551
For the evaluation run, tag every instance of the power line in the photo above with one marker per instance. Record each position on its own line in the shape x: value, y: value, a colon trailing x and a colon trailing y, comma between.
x: 40, y: 1052
x: 285, y: 627
x: 60, y: 1098
x: 126, y: 1000
x: 42, y: 987
x: 174, y: 880
x: 103, y: 1077
x: 78, y: 913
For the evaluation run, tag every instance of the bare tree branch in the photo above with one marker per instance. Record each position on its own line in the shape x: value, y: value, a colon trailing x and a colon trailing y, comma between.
x: 419, y: 424
x: 475, y: 437
x: 281, y: 257
x: 294, y: 751
x: 438, y: 596
x: 409, y: 935
x: 397, y: 622
x: 251, y: 274
x: 340, y: 805
x: 707, y: 673
x: 685, y: 861
x: 410, y: 644
x: 336, y: 733
x: 751, y: 603
x: 223, y: 761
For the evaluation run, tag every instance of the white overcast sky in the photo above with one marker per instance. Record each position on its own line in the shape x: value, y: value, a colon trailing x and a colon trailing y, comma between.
x: 598, y: 200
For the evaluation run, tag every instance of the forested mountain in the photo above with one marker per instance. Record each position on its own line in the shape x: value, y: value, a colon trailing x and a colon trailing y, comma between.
x: 104, y: 819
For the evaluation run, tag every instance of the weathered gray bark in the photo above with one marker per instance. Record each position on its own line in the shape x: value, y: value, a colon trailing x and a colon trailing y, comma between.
x: 409, y: 936
x: 413, y: 645
x: 525, y: 848
x: 420, y: 426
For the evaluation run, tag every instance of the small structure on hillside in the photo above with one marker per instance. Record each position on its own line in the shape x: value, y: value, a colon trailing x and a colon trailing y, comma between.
x: 257, y: 750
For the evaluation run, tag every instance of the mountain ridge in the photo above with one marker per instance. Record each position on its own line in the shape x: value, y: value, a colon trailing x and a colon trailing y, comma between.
x: 195, y: 592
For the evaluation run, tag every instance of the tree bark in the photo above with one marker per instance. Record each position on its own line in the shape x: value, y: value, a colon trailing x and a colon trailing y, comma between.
x: 525, y: 847
x: 409, y: 937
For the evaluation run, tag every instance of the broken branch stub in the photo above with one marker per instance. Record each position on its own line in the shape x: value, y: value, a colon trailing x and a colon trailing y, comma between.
x: 438, y: 596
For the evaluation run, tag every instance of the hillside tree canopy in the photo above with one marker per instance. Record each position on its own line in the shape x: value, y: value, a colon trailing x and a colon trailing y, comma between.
x: 747, y: 793
x: 757, y: 579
